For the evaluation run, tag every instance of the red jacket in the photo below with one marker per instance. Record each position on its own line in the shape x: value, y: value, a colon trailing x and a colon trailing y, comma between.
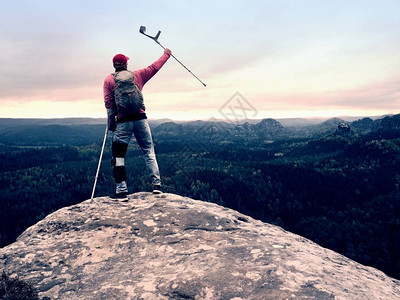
x: 140, y: 78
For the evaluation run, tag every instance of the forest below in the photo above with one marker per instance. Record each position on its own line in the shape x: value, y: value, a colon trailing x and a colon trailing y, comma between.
x: 336, y: 183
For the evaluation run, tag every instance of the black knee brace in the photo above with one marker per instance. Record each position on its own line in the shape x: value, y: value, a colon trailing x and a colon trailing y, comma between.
x: 117, y: 161
x: 119, y: 174
x: 119, y: 149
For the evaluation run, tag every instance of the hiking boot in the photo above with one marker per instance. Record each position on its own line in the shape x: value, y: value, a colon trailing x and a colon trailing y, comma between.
x: 120, y: 196
x: 157, y: 189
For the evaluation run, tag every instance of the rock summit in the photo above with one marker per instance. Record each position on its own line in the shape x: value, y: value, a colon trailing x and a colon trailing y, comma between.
x: 171, y: 247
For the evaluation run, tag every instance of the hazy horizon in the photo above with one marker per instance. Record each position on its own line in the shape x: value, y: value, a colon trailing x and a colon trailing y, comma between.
x: 208, y: 119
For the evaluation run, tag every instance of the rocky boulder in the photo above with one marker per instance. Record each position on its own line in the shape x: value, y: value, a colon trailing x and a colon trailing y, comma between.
x: 171, y: 247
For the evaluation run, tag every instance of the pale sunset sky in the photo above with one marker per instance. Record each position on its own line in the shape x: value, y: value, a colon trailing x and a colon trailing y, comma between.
x: 298, y: 58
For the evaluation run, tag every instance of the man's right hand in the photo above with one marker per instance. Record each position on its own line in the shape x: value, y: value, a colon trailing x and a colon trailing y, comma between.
x: 167, y: 51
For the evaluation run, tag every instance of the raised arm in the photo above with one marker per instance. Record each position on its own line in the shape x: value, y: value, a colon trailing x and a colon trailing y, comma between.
x: 144, y: 75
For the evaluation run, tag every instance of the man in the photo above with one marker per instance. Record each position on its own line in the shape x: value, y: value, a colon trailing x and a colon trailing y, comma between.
x: 130, y: 122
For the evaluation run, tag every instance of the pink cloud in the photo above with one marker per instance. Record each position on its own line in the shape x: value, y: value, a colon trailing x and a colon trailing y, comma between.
x: 382, y: 96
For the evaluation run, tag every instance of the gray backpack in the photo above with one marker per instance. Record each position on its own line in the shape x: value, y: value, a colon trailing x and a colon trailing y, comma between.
x: 128, y: 97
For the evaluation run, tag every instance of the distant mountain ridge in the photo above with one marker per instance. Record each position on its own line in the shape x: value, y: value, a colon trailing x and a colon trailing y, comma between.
x: 273, y: 129
x: 286, y: 122
x: 12, y: 122
x: 77, y: 131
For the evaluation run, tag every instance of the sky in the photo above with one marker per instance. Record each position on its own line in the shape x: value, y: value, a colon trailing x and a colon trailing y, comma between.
x: 259, y: 59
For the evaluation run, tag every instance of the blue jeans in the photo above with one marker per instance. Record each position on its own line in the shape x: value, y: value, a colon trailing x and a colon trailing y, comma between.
x: 141, y: 130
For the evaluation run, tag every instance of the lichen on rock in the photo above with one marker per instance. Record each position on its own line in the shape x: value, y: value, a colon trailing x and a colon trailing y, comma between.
x: 171, y: 247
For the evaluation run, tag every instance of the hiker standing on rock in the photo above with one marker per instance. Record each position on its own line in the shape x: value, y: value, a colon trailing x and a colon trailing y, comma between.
x: 126, y: 116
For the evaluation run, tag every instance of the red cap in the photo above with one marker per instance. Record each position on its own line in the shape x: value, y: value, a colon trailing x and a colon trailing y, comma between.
x: 120, y: 59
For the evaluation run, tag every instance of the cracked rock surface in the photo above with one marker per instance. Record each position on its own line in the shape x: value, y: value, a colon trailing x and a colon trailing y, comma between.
x: 170, y: 247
